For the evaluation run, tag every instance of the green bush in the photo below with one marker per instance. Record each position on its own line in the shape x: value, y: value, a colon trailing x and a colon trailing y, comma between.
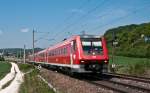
x: 2, y: 58
x: 130, y: 65
x: 25, y: 67
x: 130, y: 42
x: 138, y: 68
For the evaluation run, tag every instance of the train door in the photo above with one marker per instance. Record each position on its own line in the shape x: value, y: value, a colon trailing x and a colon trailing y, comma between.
x: 45, y: 57
x: 72, y: 52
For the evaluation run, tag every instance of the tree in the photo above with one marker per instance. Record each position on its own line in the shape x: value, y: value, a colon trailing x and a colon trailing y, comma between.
x: 2, y: 58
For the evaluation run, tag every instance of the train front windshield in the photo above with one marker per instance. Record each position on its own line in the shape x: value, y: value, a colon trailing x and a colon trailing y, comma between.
x: 92, y: 46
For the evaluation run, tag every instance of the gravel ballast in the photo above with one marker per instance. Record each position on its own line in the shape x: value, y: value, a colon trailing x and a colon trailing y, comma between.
x: 67, y: 84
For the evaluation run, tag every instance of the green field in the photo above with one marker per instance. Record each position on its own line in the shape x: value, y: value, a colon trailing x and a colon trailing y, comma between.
x: 127, y: 60
x: 4, y: 68
x: 32, y: 83
x: 130, y: 65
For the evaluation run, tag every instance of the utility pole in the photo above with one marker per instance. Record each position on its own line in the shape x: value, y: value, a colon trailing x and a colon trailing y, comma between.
x: 24, y: 57
x: 3, y: 52
x: 33, y: 44
x: 17, y: 55
x: 113, y: 47
x: 83, y: 32
x: 114, y: 43
x: 20, y: 55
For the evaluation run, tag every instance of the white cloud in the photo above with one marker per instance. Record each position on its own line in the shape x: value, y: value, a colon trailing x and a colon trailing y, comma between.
x: 115, y: 14
x: 77, y: 11
x: 1, y: 32
x: 24, y: 30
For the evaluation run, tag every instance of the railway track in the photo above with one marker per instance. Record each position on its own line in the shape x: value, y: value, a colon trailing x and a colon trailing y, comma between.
x: 119, y: 86
x: 106, y: 81
x: 123, y: 76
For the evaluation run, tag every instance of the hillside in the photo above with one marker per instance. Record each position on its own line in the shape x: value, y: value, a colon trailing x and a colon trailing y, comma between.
x: 17, y: 51
x: 133, y: 40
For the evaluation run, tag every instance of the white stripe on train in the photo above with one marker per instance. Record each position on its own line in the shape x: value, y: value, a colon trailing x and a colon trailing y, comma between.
x: 58, y: 64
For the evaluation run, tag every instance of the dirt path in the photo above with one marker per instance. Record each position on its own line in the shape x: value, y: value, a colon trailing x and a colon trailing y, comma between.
x: 8, y: 77
x: 14, y: 86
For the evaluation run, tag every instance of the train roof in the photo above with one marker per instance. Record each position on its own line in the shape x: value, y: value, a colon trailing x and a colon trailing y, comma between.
x: 63, y: 42
x: 68, y: 41
x: 90, y: 36
x: 72, y: 38
x: 42, y: 51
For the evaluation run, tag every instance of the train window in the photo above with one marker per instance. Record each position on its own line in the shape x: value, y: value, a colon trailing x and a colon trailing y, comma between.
x: 92, y: 46
x: 64, y: 51
x: 54, y: 52
x: 42, y: 55
x: 57, y: 52
x: 74, y: 45
x: 50, y: 53
x: 61, y: 51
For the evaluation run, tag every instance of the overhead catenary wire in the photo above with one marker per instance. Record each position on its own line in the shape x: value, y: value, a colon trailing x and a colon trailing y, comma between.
x: 80, y: 18
x: 44, y: 37
x: 60, y: 33
x: 81, y: 26
x: 66, y: 20
x: 118, y: 19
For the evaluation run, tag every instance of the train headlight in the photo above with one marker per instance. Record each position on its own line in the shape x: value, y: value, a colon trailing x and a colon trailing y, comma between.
x: 82, y: 61
x: 105, y: 61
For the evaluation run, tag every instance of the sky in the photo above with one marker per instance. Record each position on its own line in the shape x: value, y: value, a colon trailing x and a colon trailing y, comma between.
x: 54, y: 20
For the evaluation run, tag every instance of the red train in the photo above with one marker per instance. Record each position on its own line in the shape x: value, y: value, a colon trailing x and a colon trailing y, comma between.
x: 81, y: 54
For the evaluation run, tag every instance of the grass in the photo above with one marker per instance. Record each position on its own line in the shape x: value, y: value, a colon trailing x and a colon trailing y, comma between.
x: 25, y: 67
x: 120, y: 60
x: 32, y: 83
x: 4, y: 68
x: 130, y: 65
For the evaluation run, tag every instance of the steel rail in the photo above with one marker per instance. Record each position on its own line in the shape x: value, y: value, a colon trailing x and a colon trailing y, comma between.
x: 141, y: 79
